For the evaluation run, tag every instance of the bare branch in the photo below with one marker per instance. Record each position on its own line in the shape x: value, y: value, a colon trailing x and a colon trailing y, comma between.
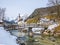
x: 55, y: 3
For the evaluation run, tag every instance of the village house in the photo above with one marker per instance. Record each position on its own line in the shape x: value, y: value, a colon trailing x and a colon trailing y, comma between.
x: 10, y: 25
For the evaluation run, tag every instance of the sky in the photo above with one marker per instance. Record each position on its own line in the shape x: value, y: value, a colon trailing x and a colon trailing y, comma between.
x: 24, y: 7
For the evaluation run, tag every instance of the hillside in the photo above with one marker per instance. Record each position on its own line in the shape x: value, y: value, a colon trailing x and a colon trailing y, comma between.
x: 42, y: 12
x: 33, y: 20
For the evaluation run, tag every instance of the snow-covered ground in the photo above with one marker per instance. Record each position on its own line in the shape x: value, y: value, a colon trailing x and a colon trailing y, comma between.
x: 6, y: 38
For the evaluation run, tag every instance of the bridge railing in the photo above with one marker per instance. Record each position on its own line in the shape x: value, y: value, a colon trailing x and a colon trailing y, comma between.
x: 31, y: 25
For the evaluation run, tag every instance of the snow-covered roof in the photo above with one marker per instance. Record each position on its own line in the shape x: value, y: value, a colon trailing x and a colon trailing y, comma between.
x: 34, y: 29
x: 52, y: 26
x: 44, y: 19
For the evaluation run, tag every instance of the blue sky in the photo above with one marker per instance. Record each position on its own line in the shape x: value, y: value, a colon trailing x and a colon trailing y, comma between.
x: 14, y: 7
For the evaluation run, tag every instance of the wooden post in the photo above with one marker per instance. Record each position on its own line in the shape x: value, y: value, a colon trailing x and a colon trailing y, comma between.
x: 30, y: 33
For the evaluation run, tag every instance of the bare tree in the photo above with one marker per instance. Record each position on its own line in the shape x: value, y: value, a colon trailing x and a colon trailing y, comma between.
x: 2, y: 13
x: 56, y: 4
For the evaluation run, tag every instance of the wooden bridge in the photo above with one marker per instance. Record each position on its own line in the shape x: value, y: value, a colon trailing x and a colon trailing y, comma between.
x: 33, y: 25
x: 22, y: 26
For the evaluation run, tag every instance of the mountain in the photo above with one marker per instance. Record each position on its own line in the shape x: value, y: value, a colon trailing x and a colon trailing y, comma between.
x: 42, y: 12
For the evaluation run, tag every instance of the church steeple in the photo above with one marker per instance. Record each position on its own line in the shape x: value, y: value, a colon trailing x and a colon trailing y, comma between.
x: 19, y: 18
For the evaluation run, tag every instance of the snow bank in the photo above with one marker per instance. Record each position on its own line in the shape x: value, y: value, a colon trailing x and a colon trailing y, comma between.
x: 52, y: 26
x: 6, y: 38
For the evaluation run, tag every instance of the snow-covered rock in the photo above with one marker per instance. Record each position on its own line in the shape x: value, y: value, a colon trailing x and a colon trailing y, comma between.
x: 6, y: 38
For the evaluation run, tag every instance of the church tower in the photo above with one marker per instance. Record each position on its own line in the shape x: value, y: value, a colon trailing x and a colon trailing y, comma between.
x: 19, y: 18
x: 20, y: 21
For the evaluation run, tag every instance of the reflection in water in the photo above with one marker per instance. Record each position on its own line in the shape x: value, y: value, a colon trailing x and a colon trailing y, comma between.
x: 17, y: 33
x: 23, y: 37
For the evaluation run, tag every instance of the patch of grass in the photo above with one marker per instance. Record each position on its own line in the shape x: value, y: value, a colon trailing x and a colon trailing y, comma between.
x: 47, y: 41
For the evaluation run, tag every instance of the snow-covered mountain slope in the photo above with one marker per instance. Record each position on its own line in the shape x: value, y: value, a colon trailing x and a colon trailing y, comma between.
x: 6, y: 38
